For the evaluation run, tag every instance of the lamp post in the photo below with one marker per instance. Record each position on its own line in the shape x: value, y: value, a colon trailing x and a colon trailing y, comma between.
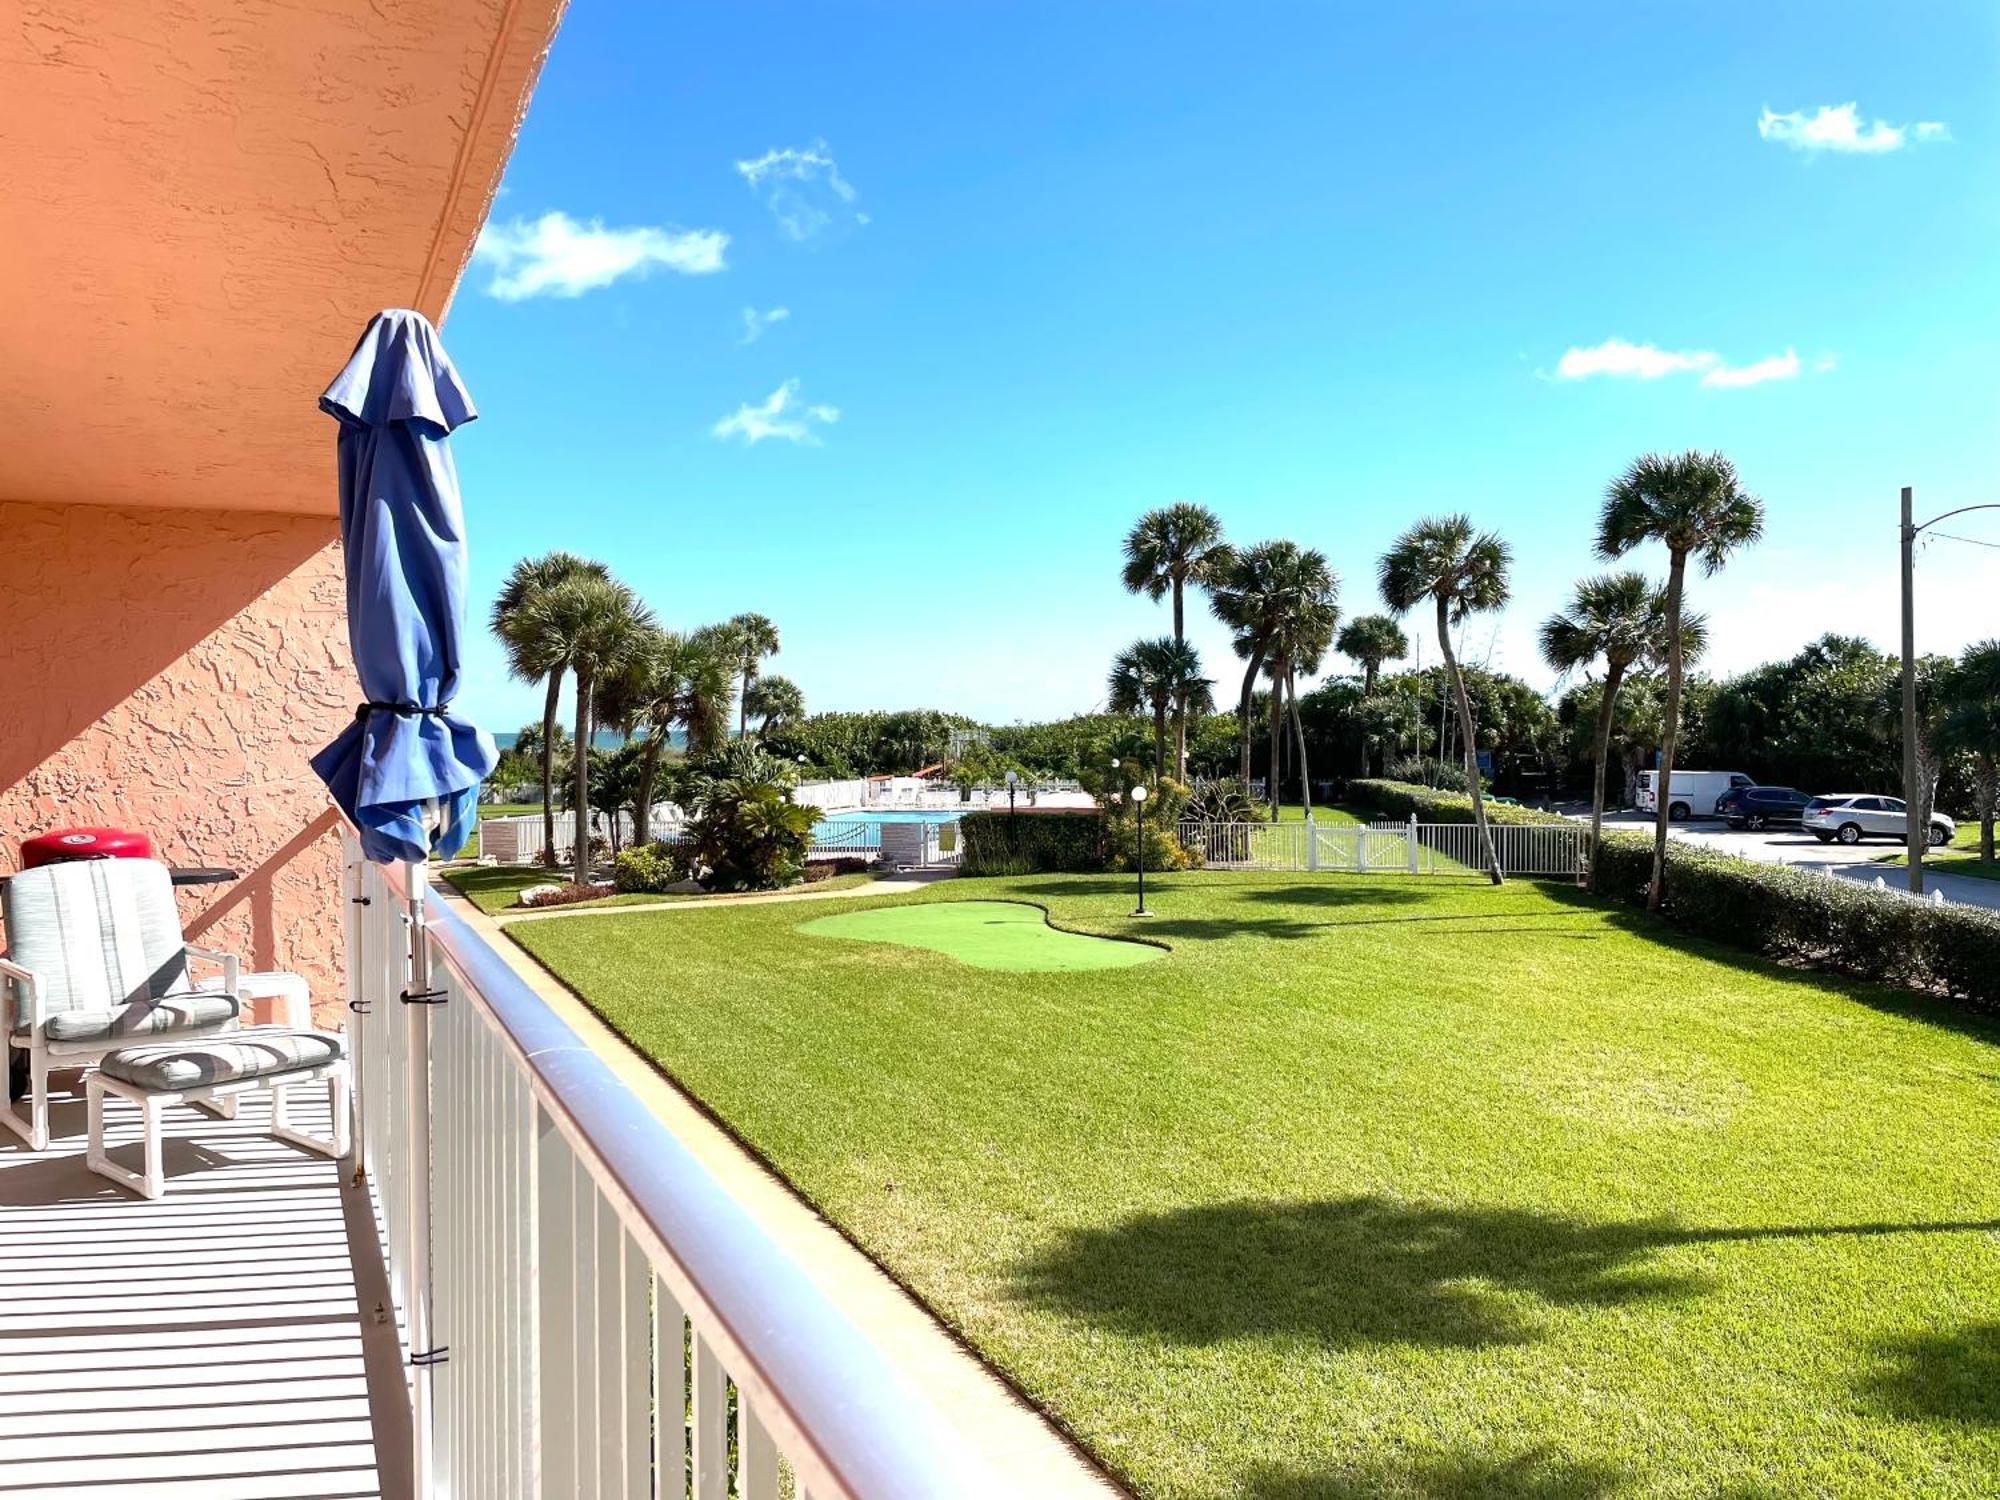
x: 1139, y: 802
x: 1915, y: 836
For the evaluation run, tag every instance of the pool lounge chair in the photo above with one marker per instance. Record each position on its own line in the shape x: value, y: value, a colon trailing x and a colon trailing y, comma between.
x: 95, y: 962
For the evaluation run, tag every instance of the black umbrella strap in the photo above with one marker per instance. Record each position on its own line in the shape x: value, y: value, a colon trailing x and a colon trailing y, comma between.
x: 363, y: 710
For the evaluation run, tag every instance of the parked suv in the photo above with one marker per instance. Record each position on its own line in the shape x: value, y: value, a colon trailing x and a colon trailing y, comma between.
x: 1762, y: 806
x: 1854, y: 816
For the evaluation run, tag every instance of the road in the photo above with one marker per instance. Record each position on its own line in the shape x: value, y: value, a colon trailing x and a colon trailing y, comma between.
x: 1792, y: 846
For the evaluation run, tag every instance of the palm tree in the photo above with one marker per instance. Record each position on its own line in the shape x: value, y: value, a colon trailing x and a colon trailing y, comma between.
x: 597, y: 626
x: 778, y: 702
x: 1694, y: 504
x: 534, y: 658
x: 1372, y: 640
x: 1623, y: 619
x: 1974, y: 727
x: 1462, y: 572
x: 756, y: 638
x: 671, y: 681
x: 1248, y: 595
x: 1298, y: 642
x: 1166, y: 550
x: 1150, y: 677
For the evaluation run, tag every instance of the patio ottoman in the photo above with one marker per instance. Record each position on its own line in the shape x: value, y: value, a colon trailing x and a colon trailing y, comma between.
x: 213, y: 1073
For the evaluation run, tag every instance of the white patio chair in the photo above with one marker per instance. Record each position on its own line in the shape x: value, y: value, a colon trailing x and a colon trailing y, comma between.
x: 95, y: 962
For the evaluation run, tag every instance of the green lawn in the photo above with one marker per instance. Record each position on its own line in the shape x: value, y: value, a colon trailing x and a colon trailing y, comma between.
x: 1960, y: 857
x: 1324, y: 815
x: 1383, y: 1186
x: 494, y: 888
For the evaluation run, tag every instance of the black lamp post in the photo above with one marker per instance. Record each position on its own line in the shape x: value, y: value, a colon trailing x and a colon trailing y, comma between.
x: 1139, y: 802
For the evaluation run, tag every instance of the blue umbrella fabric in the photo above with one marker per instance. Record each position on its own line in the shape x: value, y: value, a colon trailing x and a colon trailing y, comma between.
x: 407, y: 770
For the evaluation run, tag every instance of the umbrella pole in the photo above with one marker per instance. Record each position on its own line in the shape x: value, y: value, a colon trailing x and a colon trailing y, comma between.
x: 417, y: 1002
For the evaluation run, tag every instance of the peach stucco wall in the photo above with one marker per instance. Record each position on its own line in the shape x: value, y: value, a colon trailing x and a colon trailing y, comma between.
x: 172, y: 671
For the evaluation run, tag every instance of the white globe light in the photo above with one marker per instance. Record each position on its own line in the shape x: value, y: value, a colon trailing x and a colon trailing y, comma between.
x: 1138, y: 794
x: 1011, y: 778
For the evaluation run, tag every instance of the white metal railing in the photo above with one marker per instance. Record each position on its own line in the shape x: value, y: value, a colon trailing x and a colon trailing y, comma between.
x: 584, y: 1307
x: 1386, y: 848
x: 519, y: 838
x: 834, y: 838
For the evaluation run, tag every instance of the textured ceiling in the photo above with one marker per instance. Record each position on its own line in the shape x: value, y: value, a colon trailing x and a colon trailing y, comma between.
x: 203, y: 202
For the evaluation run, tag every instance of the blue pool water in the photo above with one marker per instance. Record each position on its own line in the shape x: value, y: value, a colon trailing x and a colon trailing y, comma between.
x: 871, y: 820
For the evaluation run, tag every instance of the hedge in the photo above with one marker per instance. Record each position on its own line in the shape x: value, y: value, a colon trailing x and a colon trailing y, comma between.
x: 1398, y: 799
x: 1828, y: 921
x: 1030, y: 843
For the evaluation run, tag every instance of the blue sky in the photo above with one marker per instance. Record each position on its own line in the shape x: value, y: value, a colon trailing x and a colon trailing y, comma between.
x: 1326, y: 269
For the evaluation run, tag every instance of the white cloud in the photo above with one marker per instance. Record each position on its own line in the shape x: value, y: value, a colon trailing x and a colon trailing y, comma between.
x: 780, y: 415
x: 803, y: 188
x: 756, y: 323
x: 1619, y: 360
x: 1776, y: 367
x: 556, y: 256
x: 1839, y: 127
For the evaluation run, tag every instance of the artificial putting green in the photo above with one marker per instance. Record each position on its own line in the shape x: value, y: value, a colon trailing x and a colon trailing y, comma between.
x: 1007, y: 935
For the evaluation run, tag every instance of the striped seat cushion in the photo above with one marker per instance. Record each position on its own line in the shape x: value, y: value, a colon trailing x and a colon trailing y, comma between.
x: 100, y: 934
x: 254, y: 1052
x: 196, y: 1012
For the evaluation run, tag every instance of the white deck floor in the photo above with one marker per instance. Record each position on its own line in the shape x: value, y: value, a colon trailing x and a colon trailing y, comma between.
x: 214, y: 1345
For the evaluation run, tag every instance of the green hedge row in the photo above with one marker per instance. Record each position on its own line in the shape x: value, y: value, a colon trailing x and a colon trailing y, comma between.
x: 1398, y: 799
x: 1830, y: 922
x: 1030, y: 843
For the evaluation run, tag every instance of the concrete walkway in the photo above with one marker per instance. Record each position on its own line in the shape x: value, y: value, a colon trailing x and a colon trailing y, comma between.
x: 1006, y: 1438
x: 888, y: 885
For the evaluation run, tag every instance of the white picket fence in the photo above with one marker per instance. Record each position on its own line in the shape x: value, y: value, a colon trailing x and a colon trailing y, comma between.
x: 1411, y: 848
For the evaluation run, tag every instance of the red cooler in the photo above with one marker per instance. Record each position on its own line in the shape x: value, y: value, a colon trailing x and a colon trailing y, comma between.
x: 84, y: 843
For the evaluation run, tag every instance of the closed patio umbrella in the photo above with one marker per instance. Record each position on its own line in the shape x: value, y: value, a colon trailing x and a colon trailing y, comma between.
x: 407, y: 770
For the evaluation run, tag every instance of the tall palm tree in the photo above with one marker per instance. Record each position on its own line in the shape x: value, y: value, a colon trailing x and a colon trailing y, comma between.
x: 776, y: 701
x: 1462, y: 572
x: 1301, y: 636
x: 756, y: 638
x: 1165, y: 551
x: 1372, y: 640
x: 1621, y: 618
x: 1695, y: 505
x: 599, y: 626
x: 671, y: 681
x: 1248, y: 595
x: 1150, y: 677
x: 535, y: 658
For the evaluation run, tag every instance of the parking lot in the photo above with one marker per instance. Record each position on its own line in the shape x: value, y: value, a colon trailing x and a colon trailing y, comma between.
x: 1794, y: 846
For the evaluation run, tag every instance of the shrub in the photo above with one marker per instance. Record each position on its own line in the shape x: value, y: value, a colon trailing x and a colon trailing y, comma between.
x: 826, y: 869
x: 1398, y: 799
x: 1827, y: 921
x: 1030, y: 843
x: 1166, y: 805
x: 747, y: 835
x: 649, y: 868
x: 1226, y: 801
x: 562, y: 895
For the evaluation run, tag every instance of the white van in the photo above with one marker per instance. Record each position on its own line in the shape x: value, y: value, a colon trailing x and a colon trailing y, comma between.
x: 1694, y: 792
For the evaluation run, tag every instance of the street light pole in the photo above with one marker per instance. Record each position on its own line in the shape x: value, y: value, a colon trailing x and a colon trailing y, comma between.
x: 1916, y: 835
x: 1913, y: 836
x: 1139, y: 801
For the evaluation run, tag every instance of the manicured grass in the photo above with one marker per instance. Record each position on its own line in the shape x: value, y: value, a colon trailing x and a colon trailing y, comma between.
x: 1007, y: 935
x: 1324, y: 815
x: 1383, y: 1186
x: 496, y: 888
x: 1959, y: 857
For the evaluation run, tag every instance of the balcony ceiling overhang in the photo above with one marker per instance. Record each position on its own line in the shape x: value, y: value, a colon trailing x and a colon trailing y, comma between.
x: 205, y: 200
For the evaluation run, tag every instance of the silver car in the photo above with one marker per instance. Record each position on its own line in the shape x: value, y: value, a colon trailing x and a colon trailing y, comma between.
x: 1854, y: 816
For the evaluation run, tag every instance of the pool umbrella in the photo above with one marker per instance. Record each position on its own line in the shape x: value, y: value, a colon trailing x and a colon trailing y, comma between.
x: 407, y: 770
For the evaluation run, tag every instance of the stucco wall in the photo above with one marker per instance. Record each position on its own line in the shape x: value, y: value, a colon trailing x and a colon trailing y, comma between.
x: 172, y: 671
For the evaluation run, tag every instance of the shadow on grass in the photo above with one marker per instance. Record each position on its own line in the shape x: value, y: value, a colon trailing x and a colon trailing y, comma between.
x: 1368, y: 1270
x: 1952, y: 1375
x: 1445, y: 1476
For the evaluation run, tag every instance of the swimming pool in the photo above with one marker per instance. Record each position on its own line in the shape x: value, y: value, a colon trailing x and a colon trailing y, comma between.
x: 861, y: 829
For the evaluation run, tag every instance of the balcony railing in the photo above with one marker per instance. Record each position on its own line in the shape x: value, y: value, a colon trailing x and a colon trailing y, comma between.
x: 585, y: 1309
